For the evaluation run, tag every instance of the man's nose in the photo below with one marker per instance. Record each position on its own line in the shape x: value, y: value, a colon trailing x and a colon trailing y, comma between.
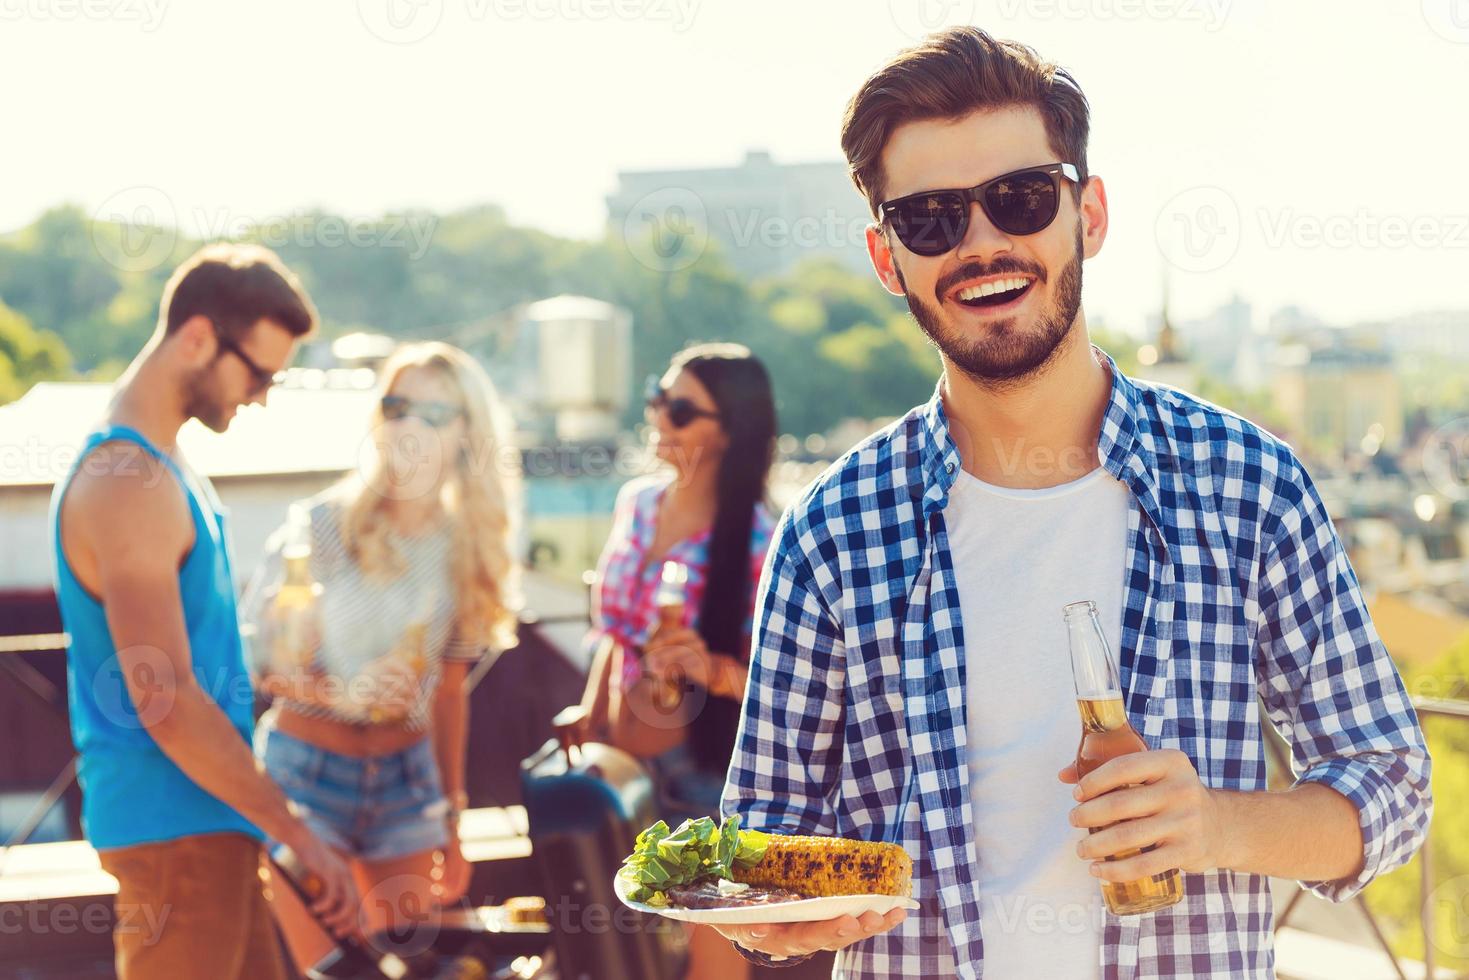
x: 982, y: 240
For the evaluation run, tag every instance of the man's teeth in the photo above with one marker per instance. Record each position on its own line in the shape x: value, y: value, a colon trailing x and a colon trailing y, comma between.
x: 990, y: 288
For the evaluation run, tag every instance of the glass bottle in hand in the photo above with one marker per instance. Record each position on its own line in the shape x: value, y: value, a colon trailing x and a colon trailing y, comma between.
x: 670, y: 598
x: 1105, y: 735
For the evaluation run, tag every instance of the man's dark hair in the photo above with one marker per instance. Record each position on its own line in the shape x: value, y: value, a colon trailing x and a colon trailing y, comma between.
x: 949, y: 75
x: 235, y: 286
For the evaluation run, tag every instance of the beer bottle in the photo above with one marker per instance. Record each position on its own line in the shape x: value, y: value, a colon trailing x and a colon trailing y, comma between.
x: 670, y: 597
x: 1105, y: 735
x: 294, y: 607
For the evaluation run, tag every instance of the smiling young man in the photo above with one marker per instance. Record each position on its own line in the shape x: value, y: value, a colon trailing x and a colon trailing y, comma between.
x: 910, y: 678
x: 161, y: 704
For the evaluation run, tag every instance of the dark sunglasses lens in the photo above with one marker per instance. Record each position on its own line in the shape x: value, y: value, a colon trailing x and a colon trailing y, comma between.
x: 437, y: 414
x: 681, y: 412
x: 932, y: 224
x: 1022, y: 204
x: 394, y: 407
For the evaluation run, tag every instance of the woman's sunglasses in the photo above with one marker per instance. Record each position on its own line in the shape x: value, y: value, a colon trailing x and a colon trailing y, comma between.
x: 436, y: 414
x: 1022, y: 202
x: 681, y: 411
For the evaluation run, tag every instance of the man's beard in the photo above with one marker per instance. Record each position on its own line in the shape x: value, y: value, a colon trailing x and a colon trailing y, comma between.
x: 1003, y: 356
x: 200, y: 401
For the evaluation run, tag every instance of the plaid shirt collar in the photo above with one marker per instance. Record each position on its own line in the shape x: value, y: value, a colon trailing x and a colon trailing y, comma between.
x: 1121, y: 449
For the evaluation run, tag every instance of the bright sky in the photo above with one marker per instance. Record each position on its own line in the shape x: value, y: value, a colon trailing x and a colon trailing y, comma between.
x: 1305, y: 152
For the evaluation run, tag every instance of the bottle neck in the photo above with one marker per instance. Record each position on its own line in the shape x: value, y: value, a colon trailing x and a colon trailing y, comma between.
x: 1093, y: 667
x: 298, y: 570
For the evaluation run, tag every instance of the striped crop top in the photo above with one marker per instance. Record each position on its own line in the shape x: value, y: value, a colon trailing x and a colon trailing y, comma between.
x: 383, y: 638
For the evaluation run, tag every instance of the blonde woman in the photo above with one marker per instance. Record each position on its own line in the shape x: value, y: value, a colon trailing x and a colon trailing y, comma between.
x: 403, y: 575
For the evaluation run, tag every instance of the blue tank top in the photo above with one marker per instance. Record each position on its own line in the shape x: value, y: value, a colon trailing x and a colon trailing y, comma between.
x: 131, y: 792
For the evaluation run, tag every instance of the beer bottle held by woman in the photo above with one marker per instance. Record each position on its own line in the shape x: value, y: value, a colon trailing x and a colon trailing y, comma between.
x: 672, y: 593
x: 1105, y: 735
x: 294, y: 609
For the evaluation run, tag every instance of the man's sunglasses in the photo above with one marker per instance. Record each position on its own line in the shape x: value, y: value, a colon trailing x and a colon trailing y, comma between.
x: 261, y: 377
x: 681, y: 411
x: 1022, y: 202
x: 436, y: 414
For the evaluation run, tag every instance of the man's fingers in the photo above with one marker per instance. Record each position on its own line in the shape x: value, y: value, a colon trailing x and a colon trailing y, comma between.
x: 801, y: 938
x: 831, y: 934
x: 337, y: 906
x: 1127, y: 803
x: 1128, y: 835
x: 750, y: 937
x: 1145, y: 865
x: 1136, y: 767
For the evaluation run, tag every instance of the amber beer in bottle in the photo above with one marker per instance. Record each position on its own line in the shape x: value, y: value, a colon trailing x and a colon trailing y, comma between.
x: 672, y: 593
x: 294, y: 608
x: 1105, y: 734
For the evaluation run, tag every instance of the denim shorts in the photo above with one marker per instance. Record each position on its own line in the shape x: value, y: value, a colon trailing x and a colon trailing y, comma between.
x: 375, y: 808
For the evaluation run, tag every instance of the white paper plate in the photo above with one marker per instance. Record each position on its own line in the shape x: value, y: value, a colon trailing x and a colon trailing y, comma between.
x: 805, y: 910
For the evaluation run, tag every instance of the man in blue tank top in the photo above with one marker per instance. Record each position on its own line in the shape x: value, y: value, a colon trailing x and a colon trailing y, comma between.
x: 161, y: 704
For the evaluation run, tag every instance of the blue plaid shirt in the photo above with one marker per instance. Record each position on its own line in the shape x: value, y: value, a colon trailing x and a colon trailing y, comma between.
x: 1238, y: 592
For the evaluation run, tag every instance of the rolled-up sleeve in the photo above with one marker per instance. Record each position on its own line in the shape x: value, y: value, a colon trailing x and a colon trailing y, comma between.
x: 787, y: 756
x: 1331, y: 689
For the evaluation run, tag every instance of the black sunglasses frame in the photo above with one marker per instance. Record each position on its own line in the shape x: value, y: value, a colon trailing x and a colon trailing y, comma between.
x: 976, y: 195
x: 435, y: 414
x: 681, y: 412
x: 263, y: 377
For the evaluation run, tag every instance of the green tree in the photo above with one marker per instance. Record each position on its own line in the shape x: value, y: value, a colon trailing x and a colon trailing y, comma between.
x: 1395, y: 898
x: 27, y: 355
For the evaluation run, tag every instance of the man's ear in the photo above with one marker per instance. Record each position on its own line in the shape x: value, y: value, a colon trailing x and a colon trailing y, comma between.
x: 883, y: 262
x: 195, y: 340
x: 1093, y: 210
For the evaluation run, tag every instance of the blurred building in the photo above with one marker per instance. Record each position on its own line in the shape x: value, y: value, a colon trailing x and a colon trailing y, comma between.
x: 1434, y: 333
x: 563, y: 365
x: 314, y: 430
x: 1337, y: 400
x: 1224, y: 346
x: 765, y: 217
x: 1163, y: 361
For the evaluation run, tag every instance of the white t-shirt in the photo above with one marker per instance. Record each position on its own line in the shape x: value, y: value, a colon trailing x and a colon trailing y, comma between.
x: 1019, y: 556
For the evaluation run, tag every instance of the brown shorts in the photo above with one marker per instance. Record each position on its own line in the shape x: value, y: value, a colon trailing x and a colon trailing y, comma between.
x: 190, y: 907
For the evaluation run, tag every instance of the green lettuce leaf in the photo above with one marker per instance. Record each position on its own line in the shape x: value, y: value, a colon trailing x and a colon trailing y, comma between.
x: 695, y: 850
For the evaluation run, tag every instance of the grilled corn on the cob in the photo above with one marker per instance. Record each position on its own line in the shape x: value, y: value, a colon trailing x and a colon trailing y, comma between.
x: 821, y: 866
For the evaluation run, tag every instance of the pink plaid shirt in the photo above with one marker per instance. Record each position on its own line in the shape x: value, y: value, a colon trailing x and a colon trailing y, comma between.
x: 623, y: 600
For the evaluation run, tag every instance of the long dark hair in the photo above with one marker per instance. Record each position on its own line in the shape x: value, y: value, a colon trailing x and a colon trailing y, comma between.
x: 740, y: 387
